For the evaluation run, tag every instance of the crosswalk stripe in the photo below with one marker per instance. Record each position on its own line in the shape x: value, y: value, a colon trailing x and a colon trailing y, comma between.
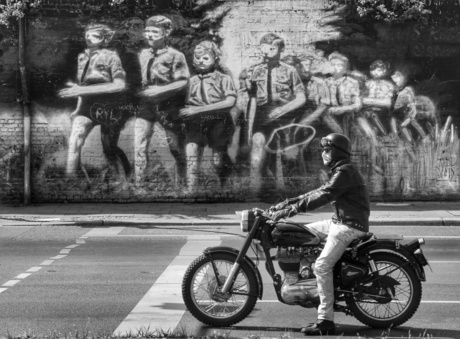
x: 158, y: 308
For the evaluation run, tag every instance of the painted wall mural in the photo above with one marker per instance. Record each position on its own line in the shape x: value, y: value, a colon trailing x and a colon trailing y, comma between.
x: 149, y: 109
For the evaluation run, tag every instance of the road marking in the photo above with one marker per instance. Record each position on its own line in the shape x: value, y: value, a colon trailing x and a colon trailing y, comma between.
x: 58, y: 257
x: 11, y: 283
x: 110, y: 233
x: 62, y: 254
x: 73, y: 246
x: 423, y: 301
x: 104, y: 231
x: 433, y: 236
x: 158, y: 308
x: 444, y: 262
x: 34, y: 269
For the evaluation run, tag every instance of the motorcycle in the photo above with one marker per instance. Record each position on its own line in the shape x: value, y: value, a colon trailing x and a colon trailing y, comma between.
x: 377, y: 280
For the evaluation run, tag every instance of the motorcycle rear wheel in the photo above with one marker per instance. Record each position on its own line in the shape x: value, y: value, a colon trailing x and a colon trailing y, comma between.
x: 199, y: 285
x: 406, y: 297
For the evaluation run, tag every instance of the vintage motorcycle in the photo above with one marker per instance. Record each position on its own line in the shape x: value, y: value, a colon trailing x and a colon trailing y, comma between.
x: 377, y: 280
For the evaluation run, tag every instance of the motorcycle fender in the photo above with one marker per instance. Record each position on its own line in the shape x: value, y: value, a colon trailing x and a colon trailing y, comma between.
x: 389, y: 280
x: 230, y: 250
x: 390, y: 246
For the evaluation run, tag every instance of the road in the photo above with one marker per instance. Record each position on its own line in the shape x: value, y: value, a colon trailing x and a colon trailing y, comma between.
x: 75, y: 279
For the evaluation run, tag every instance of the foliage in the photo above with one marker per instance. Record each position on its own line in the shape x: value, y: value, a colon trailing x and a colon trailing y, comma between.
x: 15, y: 9
x: 422, y: 12
x: 388, y: 11
x: 396, y: 11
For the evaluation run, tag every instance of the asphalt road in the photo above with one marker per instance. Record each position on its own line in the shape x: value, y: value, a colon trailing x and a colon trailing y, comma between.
x: 71, y: 279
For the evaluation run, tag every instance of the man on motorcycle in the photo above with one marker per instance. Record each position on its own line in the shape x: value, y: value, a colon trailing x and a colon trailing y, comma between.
x: 347, y: 191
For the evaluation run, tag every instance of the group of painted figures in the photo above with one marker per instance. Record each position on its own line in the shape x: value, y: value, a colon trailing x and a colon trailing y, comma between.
x: 280, y: 96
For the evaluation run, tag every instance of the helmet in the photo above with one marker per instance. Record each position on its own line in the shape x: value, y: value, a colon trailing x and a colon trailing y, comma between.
x: 340, y: 144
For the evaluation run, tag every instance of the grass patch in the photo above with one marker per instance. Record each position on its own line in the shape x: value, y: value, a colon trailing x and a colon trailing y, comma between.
x: 182, y: 333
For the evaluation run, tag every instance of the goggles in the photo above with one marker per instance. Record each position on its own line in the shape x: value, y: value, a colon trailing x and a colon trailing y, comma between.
x: 325, y: 142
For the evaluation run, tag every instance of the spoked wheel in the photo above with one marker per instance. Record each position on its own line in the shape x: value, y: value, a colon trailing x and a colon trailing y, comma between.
x: 385, y: 304
x: 201, y: 290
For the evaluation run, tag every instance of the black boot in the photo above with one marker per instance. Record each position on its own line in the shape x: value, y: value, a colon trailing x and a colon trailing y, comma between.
x: 321, y: 327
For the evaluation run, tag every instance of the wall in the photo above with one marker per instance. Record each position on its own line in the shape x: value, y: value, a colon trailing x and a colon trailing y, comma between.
x: 417, y: 159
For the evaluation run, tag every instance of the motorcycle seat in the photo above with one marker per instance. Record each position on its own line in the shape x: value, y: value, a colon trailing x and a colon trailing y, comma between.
x: 364, y: 238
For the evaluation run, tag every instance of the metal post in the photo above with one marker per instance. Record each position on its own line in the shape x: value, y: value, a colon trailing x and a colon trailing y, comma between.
x: 25, y: 109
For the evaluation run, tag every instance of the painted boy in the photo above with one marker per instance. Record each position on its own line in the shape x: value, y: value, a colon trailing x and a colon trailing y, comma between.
x: 279, y: 92
x: 164, y: 78
x: 344, y: 95
x: 211, y: 95
x: 100, y: 82
x: 413, y: 116
x: 377, y: 102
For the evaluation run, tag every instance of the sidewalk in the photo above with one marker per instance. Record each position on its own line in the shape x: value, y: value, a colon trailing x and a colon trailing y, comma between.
x: 445, y: 213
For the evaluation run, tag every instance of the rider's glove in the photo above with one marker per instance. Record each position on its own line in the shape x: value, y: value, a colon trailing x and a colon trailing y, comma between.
x: 284, y: 213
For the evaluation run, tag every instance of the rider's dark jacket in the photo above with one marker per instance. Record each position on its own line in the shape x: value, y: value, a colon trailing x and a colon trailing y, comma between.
x: 346, y: 190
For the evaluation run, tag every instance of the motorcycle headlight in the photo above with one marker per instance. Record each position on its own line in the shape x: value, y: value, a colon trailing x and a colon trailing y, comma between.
x: 247, y: 220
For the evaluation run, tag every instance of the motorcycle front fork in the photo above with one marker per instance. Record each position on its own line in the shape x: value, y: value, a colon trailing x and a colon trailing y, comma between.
x: 239, y: 259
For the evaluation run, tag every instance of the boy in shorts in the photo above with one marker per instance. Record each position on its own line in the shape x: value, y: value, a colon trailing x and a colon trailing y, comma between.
x: 211, y: 95
x: 164, y: 78
x: 101, y: 80
x: 279, y: 93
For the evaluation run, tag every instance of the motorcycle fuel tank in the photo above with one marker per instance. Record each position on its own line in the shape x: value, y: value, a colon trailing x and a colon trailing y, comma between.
x: 290, y: 234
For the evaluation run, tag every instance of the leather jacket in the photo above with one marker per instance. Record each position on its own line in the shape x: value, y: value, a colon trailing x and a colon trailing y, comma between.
x: 346, y: 190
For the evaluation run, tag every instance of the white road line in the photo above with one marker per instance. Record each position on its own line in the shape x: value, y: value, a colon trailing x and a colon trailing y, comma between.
x: 22, y: 276
x: 10, y: 283
x: 224, y: 235
x: 73, y: 246
x: 3, y: 290
x: 47, y: 263
x: 65, y: 251
x: 34, y: 269
x: 423, y: 301
x: 104, y: 231
x: 158, y: 308
x: 58, y: 257
x: 169, y: 236
x: 443, y: 262
x: 433, y: 236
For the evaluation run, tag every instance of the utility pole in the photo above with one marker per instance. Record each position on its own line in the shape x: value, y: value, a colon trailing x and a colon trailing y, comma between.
x: 25, y: 108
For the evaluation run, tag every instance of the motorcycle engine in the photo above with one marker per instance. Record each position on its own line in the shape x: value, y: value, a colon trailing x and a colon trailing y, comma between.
x: 299, y: 284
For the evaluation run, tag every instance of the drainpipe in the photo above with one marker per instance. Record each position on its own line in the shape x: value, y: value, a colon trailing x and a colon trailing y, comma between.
x: 25, y: 108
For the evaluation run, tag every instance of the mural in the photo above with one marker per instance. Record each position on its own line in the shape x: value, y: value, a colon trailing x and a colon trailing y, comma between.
x: 144, y: 109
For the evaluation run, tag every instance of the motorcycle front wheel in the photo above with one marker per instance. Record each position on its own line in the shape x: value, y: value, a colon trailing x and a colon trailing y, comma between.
x: 402, y: 300
x: 200, y: 290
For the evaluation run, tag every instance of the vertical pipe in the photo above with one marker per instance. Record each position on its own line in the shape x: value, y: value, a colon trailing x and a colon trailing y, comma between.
x: 25, y: 108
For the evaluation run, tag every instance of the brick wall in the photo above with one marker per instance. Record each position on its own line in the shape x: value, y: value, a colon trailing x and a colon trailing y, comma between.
x: 426, y: 168
x: 11, y: 153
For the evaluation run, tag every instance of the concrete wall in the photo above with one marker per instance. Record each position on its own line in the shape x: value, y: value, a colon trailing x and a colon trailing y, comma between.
x: 419, y: 162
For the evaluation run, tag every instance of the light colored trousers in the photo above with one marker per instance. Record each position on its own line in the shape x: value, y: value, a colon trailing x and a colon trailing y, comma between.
x: 337, y: 237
